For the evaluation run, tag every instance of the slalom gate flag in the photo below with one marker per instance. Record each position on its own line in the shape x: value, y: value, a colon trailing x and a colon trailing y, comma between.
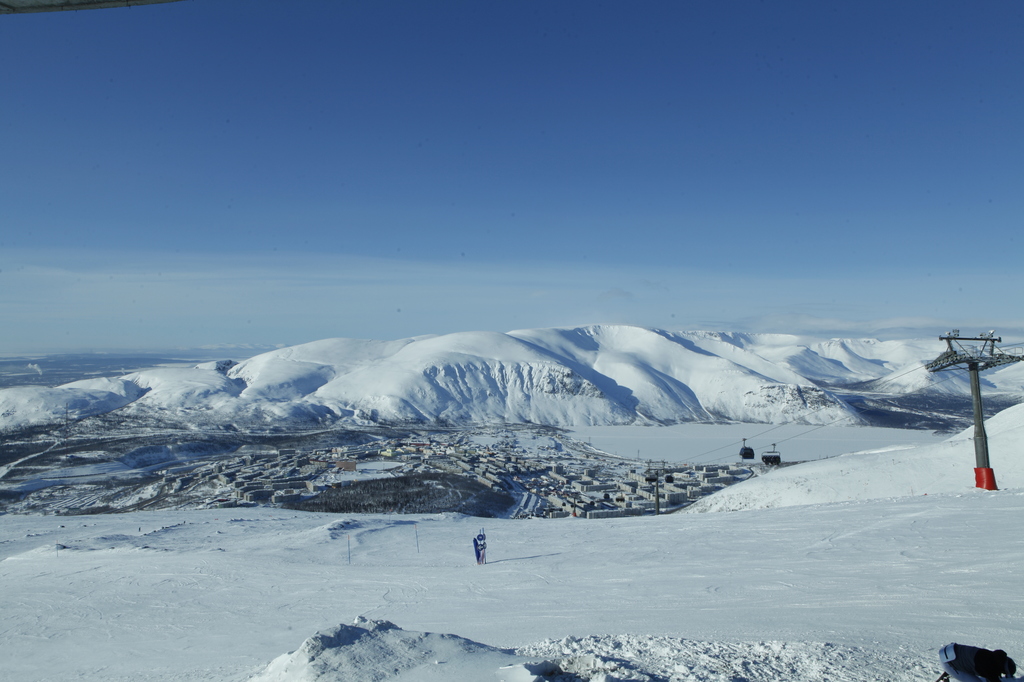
x: 480, y: 547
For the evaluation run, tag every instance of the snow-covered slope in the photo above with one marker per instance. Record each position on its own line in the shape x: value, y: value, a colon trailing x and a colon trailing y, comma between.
x: 29, y: 405
x: 841, y: 587
x: 567, y: 377
x: 947, y: 467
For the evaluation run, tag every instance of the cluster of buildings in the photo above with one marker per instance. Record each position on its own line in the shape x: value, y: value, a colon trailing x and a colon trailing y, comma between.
x: 276, y: 477
x: 561, y: 480
x: 654, y: 488
x: 556, y: 481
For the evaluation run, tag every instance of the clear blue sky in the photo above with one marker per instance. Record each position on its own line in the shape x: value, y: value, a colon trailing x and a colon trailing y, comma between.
x: 247, y: 171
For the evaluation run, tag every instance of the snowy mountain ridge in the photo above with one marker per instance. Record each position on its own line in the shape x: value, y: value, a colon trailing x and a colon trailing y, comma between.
x: 601, y: 374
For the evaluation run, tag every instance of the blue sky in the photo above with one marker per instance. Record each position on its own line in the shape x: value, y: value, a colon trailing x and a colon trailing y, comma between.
x: 253, y: 172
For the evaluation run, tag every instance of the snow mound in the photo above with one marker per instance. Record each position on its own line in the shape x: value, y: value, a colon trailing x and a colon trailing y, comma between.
x: 371, y: 650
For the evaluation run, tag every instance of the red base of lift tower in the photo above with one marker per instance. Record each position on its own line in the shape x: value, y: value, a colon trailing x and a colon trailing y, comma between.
x: 985, y: 478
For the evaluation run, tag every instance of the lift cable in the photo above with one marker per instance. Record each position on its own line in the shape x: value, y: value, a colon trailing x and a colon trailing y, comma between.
x: 821, y: 426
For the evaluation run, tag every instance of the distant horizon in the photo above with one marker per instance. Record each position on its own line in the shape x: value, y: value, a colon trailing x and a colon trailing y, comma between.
x: 242, y: 351
x: 386, y: 169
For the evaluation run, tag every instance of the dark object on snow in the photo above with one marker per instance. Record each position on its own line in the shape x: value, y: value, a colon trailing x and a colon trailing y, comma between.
x: 480, y: 547
x: 973, y: 664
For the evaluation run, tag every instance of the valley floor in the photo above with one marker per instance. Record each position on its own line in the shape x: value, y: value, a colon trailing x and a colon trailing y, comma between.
x: 704, y: 443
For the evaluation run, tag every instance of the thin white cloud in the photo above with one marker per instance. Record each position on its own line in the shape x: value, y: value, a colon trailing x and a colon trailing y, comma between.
x: 120, y: 300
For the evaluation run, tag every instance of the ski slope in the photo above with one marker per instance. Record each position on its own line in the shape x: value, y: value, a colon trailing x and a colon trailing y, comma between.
x: 858, y: 589
x: 896, y: 471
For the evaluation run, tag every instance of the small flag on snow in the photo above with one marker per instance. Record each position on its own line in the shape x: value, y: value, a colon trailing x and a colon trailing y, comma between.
x: 480, y: 547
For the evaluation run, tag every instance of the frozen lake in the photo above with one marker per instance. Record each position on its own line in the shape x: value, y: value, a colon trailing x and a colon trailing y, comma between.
x: 715, y: 443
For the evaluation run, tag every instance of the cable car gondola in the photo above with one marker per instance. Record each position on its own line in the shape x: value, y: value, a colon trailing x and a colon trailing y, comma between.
x: 772, y: 458
x: 745, y: 452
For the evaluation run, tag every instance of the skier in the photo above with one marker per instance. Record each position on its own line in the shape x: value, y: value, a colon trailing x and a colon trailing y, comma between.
x: 480, y: 547
x: 973, y: 664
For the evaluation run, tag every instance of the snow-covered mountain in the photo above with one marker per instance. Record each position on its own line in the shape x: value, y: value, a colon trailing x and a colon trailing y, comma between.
x: 592, y: 375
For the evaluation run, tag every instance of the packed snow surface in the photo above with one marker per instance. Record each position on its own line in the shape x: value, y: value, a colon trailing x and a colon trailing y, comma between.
x: 858, y: 589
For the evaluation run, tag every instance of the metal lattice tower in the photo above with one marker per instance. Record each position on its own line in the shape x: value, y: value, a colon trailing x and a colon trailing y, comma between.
x: 976, y: 359
x: 653, y: 475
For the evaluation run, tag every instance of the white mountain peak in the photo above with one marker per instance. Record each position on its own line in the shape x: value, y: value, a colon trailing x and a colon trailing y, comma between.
x: 598, y: 374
